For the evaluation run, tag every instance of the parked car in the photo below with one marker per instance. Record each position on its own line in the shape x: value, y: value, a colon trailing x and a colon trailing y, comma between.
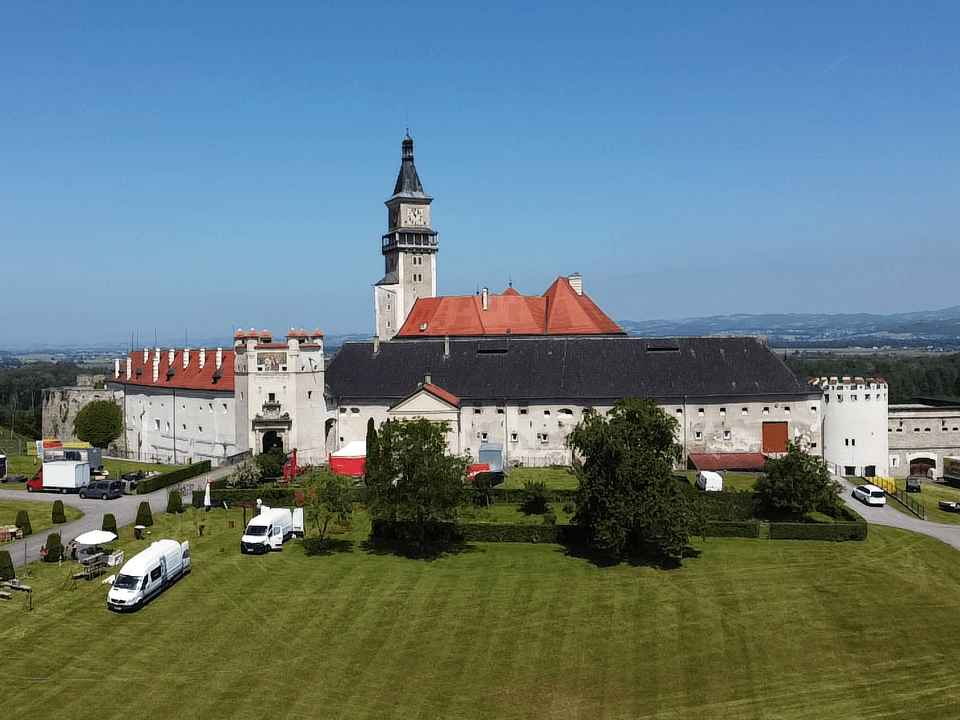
x: 103, y: 489
x: 913, y: 484
x: 14, y: 478
x: 870, y: 494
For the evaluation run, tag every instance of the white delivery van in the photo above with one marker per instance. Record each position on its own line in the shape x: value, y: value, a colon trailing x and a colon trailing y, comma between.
x: 271, y: 529
x: 147, y: 573
x: 709, y: 481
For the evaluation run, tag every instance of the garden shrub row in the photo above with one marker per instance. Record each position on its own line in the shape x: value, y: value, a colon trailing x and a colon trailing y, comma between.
x: 742, y: 529
x: 495, y: 533
x: 148, y: 485
x: 833, y: 532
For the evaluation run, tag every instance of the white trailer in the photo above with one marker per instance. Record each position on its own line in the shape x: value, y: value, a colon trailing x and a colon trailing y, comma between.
x: 271, y: 529
x: 148, y: 573
x: 61, y: 476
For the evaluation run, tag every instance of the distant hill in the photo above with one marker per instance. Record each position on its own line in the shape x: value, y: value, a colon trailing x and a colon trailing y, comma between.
x: 929, y: 328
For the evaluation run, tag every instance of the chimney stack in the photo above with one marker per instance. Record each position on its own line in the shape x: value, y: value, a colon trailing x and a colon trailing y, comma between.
x: 129, y: 366
x: 116, y: 368
x: 171, y: 354
x: 219, y: 357
x: 446, y: 346
x: 186, y: 358
x: 576, y: 282
x: 203, y: 357
x: 485, y: 296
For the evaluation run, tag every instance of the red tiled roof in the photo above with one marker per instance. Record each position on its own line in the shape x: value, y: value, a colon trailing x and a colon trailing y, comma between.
x: 441, y: 393
x: 559, y: 311
x: 728, y: 461
x: 182, y: 378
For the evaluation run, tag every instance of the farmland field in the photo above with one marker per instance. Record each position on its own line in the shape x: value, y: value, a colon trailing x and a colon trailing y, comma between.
x: 749, y: 629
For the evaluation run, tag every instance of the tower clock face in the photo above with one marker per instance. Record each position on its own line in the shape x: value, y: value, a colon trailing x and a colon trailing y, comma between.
x: 414, y: 216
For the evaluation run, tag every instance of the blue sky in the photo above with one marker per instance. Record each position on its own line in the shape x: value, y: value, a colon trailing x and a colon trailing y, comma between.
x: 171, y: 167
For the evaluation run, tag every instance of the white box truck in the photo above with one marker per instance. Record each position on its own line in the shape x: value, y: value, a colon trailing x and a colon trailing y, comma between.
x: 709, y: 481
x: 147, y: 573
x: 951, y: 469
x: 271, y: 529
x: 61, y: 476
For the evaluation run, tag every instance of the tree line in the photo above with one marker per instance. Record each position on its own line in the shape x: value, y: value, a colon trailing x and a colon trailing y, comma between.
x: 21, y: 394
x: 908, y: 378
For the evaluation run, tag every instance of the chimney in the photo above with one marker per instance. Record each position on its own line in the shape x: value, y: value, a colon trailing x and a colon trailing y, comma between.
x: 116, y: 368
x: 376, y: 344
x: 576, y: 282
x: 129, y: 367
x: 219, y: 357
x: 203, y: 357
x: 171, y: 354
x: 485, y: 295
x: 446, y: 346
x: 156, y: 365
x: 186, y: 358
x: 428, y: 378
x: 146, y: 355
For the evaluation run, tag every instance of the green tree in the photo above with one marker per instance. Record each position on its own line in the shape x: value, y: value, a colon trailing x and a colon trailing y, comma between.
x: 373, y: 450
x: 99, y: 423
x: 23, y: 522
x: 57, y: 516
x: 144, y: 515
x: 271, y: 463
x: 247, y: 474
x: 6, y: 566
x: 174, y: 503
x: 415, y: 481
x: 109, y: 523
x: 329, y: 498
x: 53, y: 548
x: 627, y: 495
x: 798, y: 483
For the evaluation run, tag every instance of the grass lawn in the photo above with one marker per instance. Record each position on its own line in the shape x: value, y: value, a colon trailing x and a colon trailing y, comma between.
x: 512, y: 514
x: 556, y: 478
x: 929, y: 497
x: 750, y: 629
x: 41, y: 514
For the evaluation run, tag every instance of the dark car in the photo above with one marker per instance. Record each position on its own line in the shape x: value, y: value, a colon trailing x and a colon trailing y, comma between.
x: 913, y: 484
x: 14, y: 478
x: 103, y: 489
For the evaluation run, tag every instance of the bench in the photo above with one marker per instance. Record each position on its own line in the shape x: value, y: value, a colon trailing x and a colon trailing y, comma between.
x: 4, y: 595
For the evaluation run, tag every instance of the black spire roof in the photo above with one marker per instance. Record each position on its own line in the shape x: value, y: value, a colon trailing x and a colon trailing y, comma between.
x: 408, y: 182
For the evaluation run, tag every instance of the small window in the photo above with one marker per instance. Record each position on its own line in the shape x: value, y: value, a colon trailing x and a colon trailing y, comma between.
x: 700, y: 412
x: 309, y: 394
x: 846, y: 441
x: 743, y: 411
x: 698, y: 435
x: 866, y: 396
x: 483, y: 436
x: 271, y: 397
x: 546, y: 413
x: 813, y: 409
x: 513, y: 436
x: 916, y: 429
x: 168, y: 427
x: 786, y: 409
x: 726, y: 434
x: 523, y: 409
x: 354, y: 411
x: 679, y: 411
x: 813, y: 445
x: 500, y: 409
x: 343, y: 411
x: 184, y: 426
x: 543, y: 439
x: 156, y: 424
x: 155, y: 573
x: 766, y: 411
x: 944, y: 428
x: 723, y: 411
x: 199, y: 428
x: 926, y: 429
x: 477, y: 410
x: 853, y: 398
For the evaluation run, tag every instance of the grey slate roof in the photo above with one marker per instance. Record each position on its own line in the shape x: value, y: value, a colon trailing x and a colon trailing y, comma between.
x: 575, y: 368
x: 408, y: 182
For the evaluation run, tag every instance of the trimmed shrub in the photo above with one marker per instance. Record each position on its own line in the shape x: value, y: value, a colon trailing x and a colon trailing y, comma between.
x: 535, y: 498
x: 174, y: 503
x: 549, y: 518
x: 157, y: 482
x: 720, y: 528
x: 23, y: 523
x: 495, y: 532
x: 58, y: 515
x: 53, y: 548
x: 144, y: 516
x: 109, y: 523
x: 569, y: 507
x: 830, y: 532
x: 6, y: 566
x: 271, y: 463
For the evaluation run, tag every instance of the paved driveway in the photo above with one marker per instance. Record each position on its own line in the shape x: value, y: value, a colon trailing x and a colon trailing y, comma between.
x: 123, y: 508
x: 886, y: 515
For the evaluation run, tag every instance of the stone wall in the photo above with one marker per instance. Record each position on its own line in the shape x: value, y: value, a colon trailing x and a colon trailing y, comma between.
x: 61, y: 405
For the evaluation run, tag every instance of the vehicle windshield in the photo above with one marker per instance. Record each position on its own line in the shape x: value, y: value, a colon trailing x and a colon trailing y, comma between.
x: 126, y: 582
x: 256, y: 530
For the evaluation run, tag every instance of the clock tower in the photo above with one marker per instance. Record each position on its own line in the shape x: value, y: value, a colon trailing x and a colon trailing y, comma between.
x: 409, y: 249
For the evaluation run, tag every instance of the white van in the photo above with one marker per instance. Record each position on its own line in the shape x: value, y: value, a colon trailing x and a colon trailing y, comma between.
x: 271, y: 529
x: 709, y: 481
x: 147, y: 573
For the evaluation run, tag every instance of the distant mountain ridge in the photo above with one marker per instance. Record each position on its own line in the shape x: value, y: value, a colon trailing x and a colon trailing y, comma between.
x: 926, y: 328
x: 939, y: 329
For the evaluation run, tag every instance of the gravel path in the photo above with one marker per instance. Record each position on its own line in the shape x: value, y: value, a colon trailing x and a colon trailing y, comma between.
x: 123, y: 508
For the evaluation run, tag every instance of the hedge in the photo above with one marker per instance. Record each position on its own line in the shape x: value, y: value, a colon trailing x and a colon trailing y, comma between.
x: 483, y: 532
x: 23, y: 522
x: 109, y: 523
x: 832, y: 532
x: 144, y: 515
x: 745, y: 529
x: 157, y: 482
x: 58, y: 517
x: 53, y: 548
x: 271, y: 496
x: 6, y: 566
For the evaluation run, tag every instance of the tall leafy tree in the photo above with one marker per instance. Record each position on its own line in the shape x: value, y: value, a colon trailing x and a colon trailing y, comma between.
x: 627, y: 495
x: 798, y: 483
x: 329, y: 498
x: 415, y: 481
x: 99, y: 423
x: 373, y: 451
